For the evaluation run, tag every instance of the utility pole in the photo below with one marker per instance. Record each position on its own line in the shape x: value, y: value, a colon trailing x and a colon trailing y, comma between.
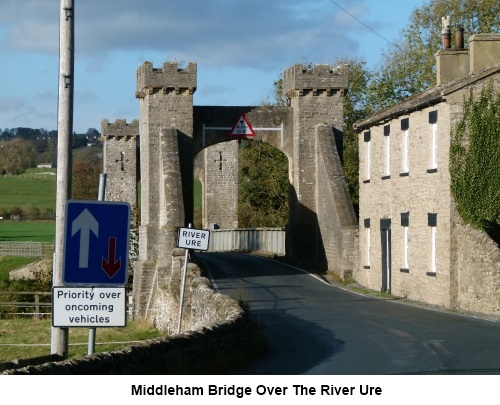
x: 59, y: 342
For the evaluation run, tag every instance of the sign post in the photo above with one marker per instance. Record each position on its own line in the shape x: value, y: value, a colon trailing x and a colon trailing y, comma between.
x: 96, y: 243
x: 95, y: 267
x: 189, y: 239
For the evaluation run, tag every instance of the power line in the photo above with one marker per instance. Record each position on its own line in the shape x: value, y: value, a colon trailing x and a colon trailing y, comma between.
x: 361, y: 22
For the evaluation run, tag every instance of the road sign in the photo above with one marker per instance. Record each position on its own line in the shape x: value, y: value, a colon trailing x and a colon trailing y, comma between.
x: 96, y: 243
x: 74, y: 307
x: 242, y: 127
x: 196, y: 239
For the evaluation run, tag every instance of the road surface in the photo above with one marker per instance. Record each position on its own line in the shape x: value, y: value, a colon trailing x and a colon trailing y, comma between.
x: 316, y: 328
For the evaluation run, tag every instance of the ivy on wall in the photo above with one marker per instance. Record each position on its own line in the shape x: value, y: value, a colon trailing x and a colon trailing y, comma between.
x: 475, y: 161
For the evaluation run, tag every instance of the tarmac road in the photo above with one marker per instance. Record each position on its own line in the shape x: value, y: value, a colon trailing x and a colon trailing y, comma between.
x: 315, y: 328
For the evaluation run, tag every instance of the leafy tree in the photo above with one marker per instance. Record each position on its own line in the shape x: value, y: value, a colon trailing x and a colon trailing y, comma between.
x: 408, y: 66
x: 263, y: 186
x: 474, y: 162
x: 16, y: 156
x: 356, y: 108
x: 85, y: 180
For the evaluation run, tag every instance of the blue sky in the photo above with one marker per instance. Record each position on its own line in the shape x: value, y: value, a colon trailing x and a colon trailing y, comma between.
x: 240, y: 46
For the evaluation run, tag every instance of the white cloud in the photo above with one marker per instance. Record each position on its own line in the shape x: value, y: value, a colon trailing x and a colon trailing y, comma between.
x: 260, y: 33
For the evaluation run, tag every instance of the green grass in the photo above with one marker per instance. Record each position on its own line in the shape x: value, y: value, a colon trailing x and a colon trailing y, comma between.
x: 9, y: 263
x: 197, y: 190
x: 20, y: 231
x: 29, y: 190
x: 38, y: 333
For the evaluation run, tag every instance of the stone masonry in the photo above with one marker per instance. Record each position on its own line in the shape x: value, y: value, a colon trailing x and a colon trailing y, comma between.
x: 412, y: 242
x: 179, y: 141
x: 120, y: 160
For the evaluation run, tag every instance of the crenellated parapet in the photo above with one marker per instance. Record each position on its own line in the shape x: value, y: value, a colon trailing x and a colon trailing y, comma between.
x: 169, y: 79
x: 320, y: 79
x: 119, y: 129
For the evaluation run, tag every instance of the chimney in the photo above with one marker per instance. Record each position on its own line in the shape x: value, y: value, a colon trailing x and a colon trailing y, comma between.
x: 446, y: 32
x: 451, y: 64
x: 459, y: 37
x: 484, y: 52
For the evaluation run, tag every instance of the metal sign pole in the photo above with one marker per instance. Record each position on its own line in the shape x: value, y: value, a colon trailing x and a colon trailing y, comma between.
x: 92, y: 331
x: 183, y: 287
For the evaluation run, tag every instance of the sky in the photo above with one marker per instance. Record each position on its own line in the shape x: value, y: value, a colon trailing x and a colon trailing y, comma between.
x: 241, y: 47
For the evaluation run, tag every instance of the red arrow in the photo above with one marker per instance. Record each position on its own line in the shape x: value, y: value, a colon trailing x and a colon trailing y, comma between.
x: 111, y: 266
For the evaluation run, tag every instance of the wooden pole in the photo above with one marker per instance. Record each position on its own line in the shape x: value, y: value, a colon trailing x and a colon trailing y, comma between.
x: 59, y: 342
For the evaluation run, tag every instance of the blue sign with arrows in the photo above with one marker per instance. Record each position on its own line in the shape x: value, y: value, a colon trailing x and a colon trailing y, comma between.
x: 96, y: 243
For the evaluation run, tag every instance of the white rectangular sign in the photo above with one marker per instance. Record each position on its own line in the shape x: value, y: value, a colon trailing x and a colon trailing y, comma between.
x: 196, y: 239
x: 88, y: 307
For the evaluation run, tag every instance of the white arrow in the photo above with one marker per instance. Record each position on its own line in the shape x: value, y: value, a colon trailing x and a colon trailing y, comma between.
x: 85, y: 222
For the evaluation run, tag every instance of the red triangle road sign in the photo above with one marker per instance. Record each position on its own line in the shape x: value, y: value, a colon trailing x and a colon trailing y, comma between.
x: 242, y: 127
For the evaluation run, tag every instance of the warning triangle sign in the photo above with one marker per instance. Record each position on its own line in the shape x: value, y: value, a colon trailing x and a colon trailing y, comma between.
x: 242, y: 127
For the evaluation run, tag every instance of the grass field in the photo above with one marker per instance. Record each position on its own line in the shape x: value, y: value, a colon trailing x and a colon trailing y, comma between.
x: 33, y: 189
x: 26, y: 338
x: 18, y: 231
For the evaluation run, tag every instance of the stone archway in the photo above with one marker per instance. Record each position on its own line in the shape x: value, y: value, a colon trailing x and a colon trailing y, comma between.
x: 173, y: 132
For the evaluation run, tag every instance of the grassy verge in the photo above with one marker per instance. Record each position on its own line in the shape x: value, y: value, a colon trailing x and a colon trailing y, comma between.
x: 18, y: 231
x: 26, y: 338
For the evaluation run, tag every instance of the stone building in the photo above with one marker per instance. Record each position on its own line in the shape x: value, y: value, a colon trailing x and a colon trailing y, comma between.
x: 412, y: 242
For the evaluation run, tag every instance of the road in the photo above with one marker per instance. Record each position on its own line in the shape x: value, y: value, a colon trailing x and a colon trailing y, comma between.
x: 315, y: 328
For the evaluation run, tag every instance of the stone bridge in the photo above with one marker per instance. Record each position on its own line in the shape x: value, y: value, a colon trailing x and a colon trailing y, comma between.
x: 174, y: 141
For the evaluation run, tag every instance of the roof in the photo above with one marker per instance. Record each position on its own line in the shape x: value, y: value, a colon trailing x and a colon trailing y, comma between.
x: 425, y: 99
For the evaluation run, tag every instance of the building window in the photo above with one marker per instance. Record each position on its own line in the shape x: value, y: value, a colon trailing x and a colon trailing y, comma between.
x: 405, y: 165
x: 367, y: 139
x: 387, y: 132
x: 432, y: 223
x: 405, y: 222
x: 433, y: 122
x: 368, y: 242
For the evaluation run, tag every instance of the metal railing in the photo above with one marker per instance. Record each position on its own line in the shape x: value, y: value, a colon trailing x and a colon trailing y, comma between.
x: 31, y: 249
x: 268, y: 240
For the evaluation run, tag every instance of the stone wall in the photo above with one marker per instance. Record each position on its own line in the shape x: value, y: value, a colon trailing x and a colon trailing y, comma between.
x: 196, y: 352
x: 316, y: 96
x: 220, y: 185
x: 417, y: 188
x: 214, y: 325
x: 120, y: 161
x: 478, y: 270
x: 337, y: 220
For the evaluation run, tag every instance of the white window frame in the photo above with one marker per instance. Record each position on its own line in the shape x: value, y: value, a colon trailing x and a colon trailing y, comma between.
x: 405, y: 159
x: 387, y: 155
x: 368, y: 246
x: 434, y: 146
x: 405, y: 248
x: 368, y: 160
x: 433, y: 249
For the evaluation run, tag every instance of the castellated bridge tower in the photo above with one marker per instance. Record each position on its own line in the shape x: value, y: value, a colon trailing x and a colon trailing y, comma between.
x: 166, y: 164
x: 316, y: 96
x: 120, y: 159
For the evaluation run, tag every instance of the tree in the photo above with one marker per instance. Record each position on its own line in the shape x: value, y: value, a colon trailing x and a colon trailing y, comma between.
x: 85, y: 181
x: 16, y: 156
x: 356, y: 108
x: 408, y: 66
x: 474, y: 162
x: 263, y: 186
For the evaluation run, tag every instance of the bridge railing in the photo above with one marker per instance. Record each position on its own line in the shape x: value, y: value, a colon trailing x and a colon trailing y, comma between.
x: 268, y: 240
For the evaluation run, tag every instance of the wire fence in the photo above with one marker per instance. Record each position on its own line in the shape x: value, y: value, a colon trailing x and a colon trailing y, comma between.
x: 29, y: 249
